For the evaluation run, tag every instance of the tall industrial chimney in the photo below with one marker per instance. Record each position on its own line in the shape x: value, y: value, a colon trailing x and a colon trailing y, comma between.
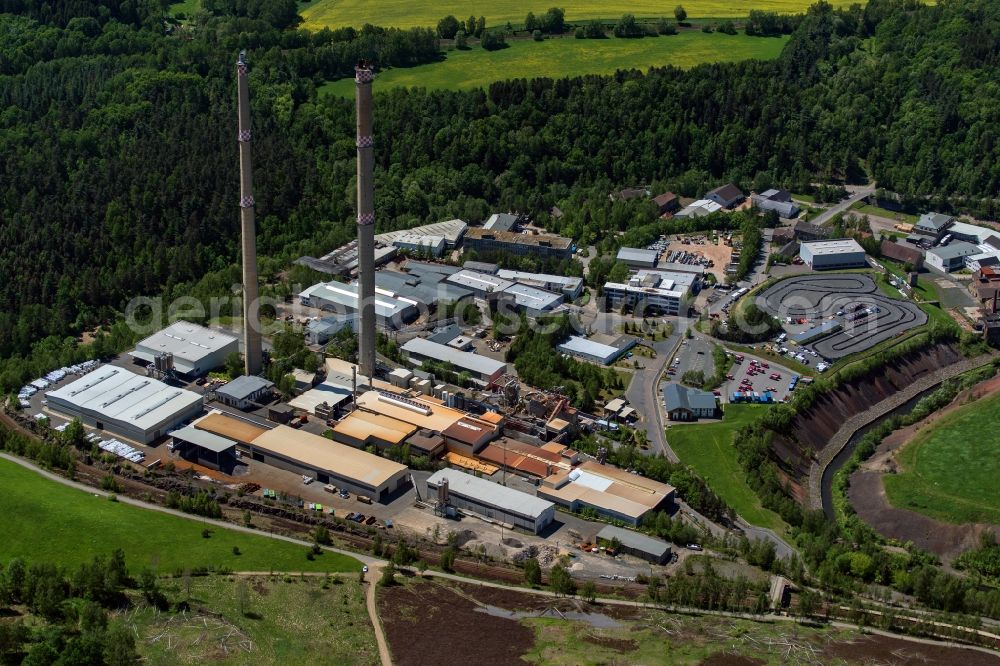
x: 363, y: 77
x: 248, y: 228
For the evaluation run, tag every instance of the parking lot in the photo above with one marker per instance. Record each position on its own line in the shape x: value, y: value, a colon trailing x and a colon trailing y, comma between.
x: 693, y: 355
x: 757, y: 375
x: 861, y: 316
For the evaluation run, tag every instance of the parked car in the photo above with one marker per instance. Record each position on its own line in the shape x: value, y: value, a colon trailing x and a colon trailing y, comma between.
x: 694, y: 546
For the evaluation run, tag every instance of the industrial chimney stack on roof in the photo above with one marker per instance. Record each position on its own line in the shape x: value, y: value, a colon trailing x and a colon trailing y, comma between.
x: 248, y: 227
x: 363, y: 77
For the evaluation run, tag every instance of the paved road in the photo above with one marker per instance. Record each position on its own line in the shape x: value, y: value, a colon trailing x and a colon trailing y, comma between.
x: 643, y: 390
x: 830, y: 212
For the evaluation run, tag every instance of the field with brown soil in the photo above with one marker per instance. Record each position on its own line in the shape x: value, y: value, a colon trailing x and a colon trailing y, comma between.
x: 432, y: 622
x: 868, y: 497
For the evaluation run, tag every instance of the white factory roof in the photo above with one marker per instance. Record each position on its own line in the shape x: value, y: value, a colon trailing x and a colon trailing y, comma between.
x: 518, y: 276
x: 186, y: 341
x: 972, y: 230
x: 828, y: 247
x: 480, y: 282
x: 700, y: 208
x: 651, y: 291
x: 462, y: 360
x: 533, y: 298
x: 117, y: 394
x: 635, y: 254
x: 387, y: 304
x: 493, y: 494
x: 451, y: 230
x: 580, y: 345
x: 420, y: 240
x: 675, y: 278
x: 954, y: 250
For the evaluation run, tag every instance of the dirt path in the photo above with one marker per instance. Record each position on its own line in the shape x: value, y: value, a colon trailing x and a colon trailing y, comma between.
x: 868, y: 497
x: 371, y: 580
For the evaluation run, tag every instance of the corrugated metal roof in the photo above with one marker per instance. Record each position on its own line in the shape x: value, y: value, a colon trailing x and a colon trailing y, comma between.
x: 635, y: 540
x: 462, y: 360
x: 487, y: 492
x: 204, y: 439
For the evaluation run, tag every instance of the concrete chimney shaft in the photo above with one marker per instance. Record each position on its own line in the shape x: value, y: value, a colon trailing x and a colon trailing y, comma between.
x: 248, y: 228
x: 363, y: 77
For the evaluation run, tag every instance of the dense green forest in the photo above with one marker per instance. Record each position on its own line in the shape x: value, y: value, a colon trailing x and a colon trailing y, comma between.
x: 118, y: 150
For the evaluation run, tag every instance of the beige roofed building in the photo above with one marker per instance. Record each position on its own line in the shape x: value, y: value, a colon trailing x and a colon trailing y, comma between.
x: 612, y: 492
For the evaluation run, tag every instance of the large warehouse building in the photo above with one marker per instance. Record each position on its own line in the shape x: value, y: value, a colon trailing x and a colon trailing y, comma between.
x: 195, y: 349
x: 482, y: 369
x: 612, y: 492
x: 329, y: 462
x: 129, y: 405
x: 493, y: 501
x: 391, y: 310
x: 833, y: 254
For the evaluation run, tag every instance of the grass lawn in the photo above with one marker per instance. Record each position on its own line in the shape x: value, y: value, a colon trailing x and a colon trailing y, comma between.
x: 49, y: 522
x: 558, y: 58
x: 186, y: 7
x: 868, y: 209
x: 407, y: 14
x: 708, y: 448
x: 950, y: 469
x: 284, y: 620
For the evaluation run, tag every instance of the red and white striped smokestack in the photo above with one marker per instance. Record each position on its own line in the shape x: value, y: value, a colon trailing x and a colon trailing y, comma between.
x: 363, y: 77
x: 248, y: 227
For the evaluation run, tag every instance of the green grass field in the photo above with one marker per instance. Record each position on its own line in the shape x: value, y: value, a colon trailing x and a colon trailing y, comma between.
x: 285, y: 620
x: 868, y: 209
x: 949, y: 470
x: 404, y: 14
x: 185, y: 7
x: 708, y: 449
x: 558, y: 58
x: 49, y: 522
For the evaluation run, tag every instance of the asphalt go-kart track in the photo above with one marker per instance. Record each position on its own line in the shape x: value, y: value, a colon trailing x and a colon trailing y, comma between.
x: 865, y: 316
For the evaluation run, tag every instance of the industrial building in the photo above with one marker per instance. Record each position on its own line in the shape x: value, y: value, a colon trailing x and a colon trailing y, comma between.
x: 817, y: 332
x: 419, y: 244
x: 900, y: 252
x: 634, y: 543
x: 543, y: 246
x: 807, y: 231
x: 391, y: 311
x: 933, y: 225
x: 636, y: 258
x: 205, y: 448
x: 321, y: 331
x: 667, y: 293
x: 613, y: 493
x: 482, y: 369
x: 194, y: 349
x: 451, y: 230
x: 597, y: 352
x: 501, y: 222
x: 343, y: 261
x: 126, y: 404
x: 833, y: 254
x: 569, y: 286
x: 667, y: 202
x: 328, y: 462
x: 491, y: 500
x: 699, y: 208
x: 422, y: 285
x: 780, y: 201
x: 523, y: 298
x: 727, y: 196
x: 951, y: 257
x: 688, y: 404
x: 244, y: 391
x: 524, y: 459
x: 362, y: 428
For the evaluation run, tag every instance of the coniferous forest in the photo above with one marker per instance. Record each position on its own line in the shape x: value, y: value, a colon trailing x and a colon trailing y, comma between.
x: 118, y: 154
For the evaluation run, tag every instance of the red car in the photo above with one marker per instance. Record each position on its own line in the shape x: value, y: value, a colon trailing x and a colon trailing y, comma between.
x: 775, y: 375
